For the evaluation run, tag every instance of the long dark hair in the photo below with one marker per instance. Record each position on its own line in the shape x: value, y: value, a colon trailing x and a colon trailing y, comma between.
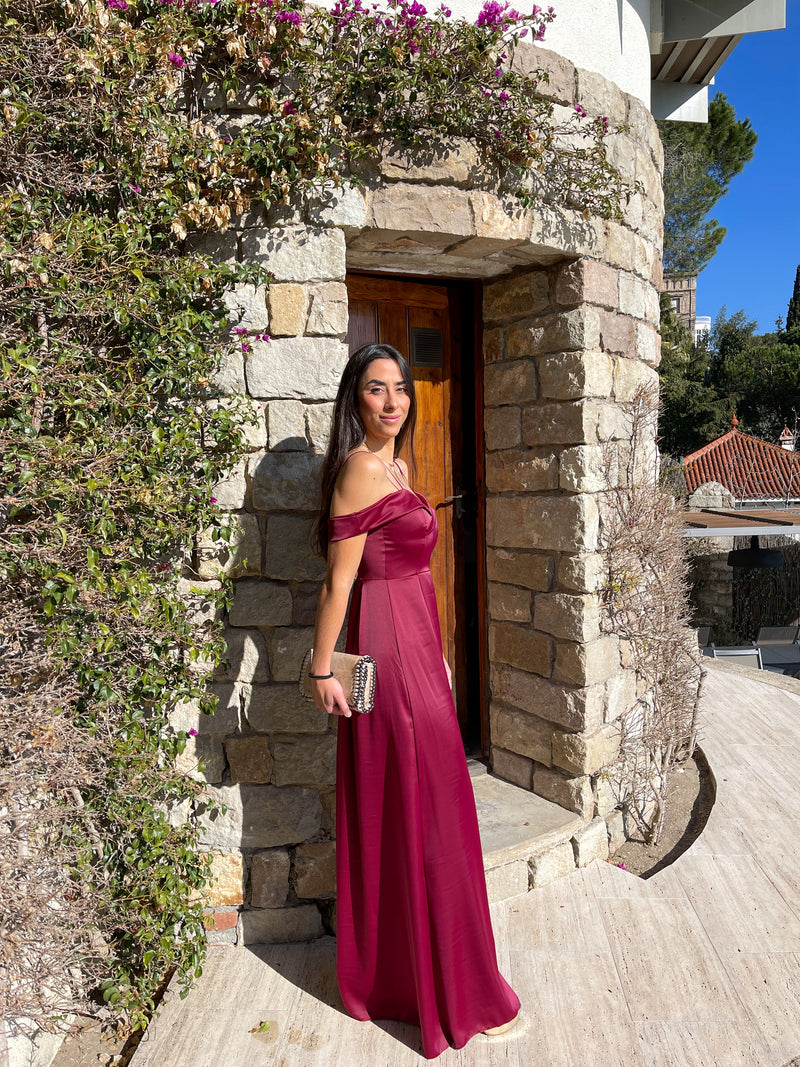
x: 347, y: 430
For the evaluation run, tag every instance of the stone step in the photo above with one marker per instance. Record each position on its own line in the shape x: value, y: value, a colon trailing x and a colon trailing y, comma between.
x: 527, y: 840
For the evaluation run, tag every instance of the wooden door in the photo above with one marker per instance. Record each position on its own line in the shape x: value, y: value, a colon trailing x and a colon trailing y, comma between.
x: 417, y: 319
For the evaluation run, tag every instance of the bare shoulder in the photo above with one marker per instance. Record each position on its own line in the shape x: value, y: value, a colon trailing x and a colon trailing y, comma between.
x: 401, y: 463
x: 361, y: 482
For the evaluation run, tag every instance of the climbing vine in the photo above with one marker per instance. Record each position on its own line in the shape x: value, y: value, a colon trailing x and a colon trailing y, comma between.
x: 127, y: 129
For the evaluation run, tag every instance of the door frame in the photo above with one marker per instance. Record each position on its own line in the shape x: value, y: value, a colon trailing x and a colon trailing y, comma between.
x: 465, y: 302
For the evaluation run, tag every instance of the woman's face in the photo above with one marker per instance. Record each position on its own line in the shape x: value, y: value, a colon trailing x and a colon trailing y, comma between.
x: 383, y: 399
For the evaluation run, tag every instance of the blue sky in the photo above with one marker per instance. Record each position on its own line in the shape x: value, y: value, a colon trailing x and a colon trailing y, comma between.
x: 755, y: 266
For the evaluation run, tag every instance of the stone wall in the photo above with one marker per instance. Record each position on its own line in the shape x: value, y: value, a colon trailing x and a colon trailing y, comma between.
x: 570, y: 321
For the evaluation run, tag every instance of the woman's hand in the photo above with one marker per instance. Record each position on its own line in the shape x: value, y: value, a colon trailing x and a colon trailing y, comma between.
x: 329, y: 696
x: 449, y: 673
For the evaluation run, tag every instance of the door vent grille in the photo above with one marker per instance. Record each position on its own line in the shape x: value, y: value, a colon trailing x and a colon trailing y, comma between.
x: 427, y: 347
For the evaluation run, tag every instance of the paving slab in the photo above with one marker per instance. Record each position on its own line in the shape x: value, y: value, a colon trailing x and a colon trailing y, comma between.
x: 698, y: 966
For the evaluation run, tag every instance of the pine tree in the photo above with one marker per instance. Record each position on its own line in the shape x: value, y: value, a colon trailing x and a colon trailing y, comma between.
x: 793, y: 314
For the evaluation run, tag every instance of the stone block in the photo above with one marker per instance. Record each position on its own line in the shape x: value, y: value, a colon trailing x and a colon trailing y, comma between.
x: 225, y: 720
x: 201, y: 600
x: 288, y: 309
x: 246, y: 657
x: 249, y: 759
x: 519, y: 568
x: 305, y: 597
x: 512, y: 767
x: 319, y: 418
x: 583, y: 573
x: 633, y: 295
x: 297, y: 253
x: 573, y: 616
x: 616, y: 334
x: 551, y: 863
x: 274, y: 709
x: 493, y: 345
x: 591, y: 843
x: 601, y: 97
x: 223, y: 937
x: 509, y: 603
x: 632, y: 375
x: 606, y: 795
x: 203, y: 759
x: 572, y: 375
x: 557, y: 703
x: 520, y: 732
x: 620, y: 246
x: 269, y: 878
x: 260, y: 603
x: 343, y: 206
x: 648, y: 344
x: 290, y: 554
x: 271, y: 926
x: 574, y: 794
x: 231, y: 492
x: 499, y: 217
x: 287, y: 647
x: 228, y: 377
x: 503, y: 428
x: 516, y: 297
x: 615, y: 826
x: 421, y: 209
x: 218, y: 247
x: 308, y: 368
x: 285, y: 481
x: 620, y: 693
x: 315, y: 870
x: 542, y: 521
x: 521, y: 470
x: 586, y: 663
x: 586, y: 754
x: 328, y: 314
x: 226, y: 887
x: 589, y: 281
x: 559, y: 423
x: 305, y: 760
x: 286, y: 420
x: 506, y: 881
x: 519, y: 646
x: 328, y: 799
x: 247, y: 306
x: 531, y: 59
x: 568, y: 331
x: 450, y: 162
x: 261, y: 816
x: 509, y: 383
x: 582, y: 469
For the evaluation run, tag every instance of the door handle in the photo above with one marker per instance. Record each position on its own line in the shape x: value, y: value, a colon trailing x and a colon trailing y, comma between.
x: 459, y: 501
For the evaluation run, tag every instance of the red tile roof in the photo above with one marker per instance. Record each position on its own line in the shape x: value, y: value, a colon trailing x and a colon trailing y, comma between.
x: 751, y: 469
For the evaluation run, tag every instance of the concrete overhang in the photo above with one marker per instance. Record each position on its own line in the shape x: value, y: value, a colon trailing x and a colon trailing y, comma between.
x: 689, y: 42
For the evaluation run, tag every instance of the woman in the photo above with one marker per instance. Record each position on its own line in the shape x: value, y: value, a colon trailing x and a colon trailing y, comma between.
x: 414, y: 938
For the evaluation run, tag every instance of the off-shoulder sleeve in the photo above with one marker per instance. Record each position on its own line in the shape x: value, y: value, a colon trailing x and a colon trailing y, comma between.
x: 372, y: 516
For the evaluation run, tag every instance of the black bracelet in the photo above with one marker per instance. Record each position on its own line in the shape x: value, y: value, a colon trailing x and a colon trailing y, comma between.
x: 310, y: 675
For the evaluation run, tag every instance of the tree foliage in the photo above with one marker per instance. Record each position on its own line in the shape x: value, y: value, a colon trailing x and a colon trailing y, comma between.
x: 793, y: 313
x: 693, y: 410
x: 700, y: 160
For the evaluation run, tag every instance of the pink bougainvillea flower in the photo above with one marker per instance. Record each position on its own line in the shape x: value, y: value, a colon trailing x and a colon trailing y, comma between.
x: 193, y: 732
x: 445, y: 11
x: 176, y: 60
x: 122, y: 4
x: 213, y: 500
x: 289, y: 16
x: 289, y: 108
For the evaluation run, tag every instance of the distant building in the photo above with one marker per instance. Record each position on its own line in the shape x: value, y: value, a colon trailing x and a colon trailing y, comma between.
x: 702, y: 327
x: 683, y: 292
x: 756, y: 473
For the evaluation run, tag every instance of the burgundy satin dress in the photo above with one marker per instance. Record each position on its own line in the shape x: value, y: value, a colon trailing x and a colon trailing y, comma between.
x: 414, y: 937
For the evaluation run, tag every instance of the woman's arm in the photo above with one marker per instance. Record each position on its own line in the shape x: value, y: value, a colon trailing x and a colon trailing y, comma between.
x: 362, y: 481
x: 343, y: 560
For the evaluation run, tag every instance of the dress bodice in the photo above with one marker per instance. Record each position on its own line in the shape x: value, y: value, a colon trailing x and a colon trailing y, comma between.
x: 401, y: 533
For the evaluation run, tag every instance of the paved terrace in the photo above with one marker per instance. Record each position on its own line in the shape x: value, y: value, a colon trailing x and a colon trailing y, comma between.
x: 696, y: 967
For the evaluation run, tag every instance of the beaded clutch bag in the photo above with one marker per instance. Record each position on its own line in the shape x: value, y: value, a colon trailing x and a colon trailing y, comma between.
x: 356, y: 674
